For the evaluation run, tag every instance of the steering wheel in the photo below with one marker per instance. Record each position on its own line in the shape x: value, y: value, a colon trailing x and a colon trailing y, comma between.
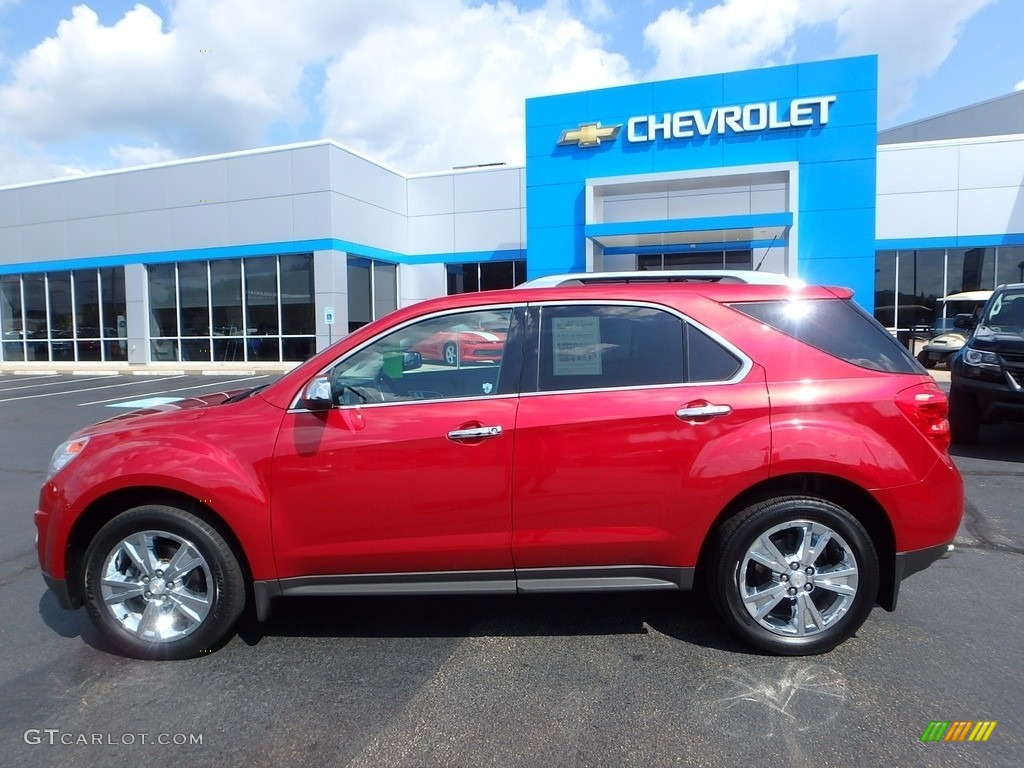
x: 385, y: 387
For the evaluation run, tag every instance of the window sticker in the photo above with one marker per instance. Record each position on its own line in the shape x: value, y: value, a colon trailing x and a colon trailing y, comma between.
x: 576, y: 343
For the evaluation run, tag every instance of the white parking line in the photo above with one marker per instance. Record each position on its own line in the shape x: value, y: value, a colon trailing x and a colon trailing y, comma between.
x: 205, y: 386
x: 69, y: 391
x: 60, y: 380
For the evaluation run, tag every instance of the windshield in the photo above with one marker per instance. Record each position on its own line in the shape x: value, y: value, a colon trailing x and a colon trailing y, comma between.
x: 1005, y: 313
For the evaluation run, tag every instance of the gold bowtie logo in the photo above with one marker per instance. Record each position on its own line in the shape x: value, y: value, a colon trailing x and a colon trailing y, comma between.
x: 589, y: 135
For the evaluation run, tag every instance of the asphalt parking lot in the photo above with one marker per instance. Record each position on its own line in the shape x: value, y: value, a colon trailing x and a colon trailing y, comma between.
x: 620, y: 680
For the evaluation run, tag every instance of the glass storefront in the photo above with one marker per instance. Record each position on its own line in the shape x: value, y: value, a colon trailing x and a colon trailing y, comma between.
x: 485, y: 276
x: 256, y: 310
x: 742, y: 259
x: 64, y: 316
x: 372, y: 290
x: 909, y: 284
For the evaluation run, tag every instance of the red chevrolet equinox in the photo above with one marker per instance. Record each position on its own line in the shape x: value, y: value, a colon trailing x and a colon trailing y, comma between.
x: 771, y: 443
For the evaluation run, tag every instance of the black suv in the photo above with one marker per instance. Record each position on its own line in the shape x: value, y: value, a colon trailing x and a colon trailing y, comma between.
x: 987, y: 382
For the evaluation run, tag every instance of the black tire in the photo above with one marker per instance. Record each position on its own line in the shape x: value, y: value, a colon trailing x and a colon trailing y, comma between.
x: 197, y: 606
x: 964, y: 418
x: 450, y: 354
x: 924, y: 359
x: 782, y: 594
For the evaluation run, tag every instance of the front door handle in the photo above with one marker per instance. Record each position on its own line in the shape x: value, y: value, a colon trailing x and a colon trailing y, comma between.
x: 474, y: 433
x: 700, y: 412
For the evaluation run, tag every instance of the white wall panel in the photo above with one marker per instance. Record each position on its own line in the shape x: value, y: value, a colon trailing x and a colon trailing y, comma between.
x: 420, y: 281
x: 199, y: 226
x: 311, y: 169
x: 10, y: 208
x: 923, y: 214
x: 259, y: 176
x: 10, y: 245
x: 40, y: 242
x: 432, y: 234
x: 618, y: 262
x: 984, y: 211
x: 95, y: 236
x: 487, y: 190
x: 995, y: 164
x: 366, y: 224
x: 84, y: 198
x: 268, y: 220
x: 648, y: 208
x: 697, y: 206
x: 431, y: 195
x: 311, y: 215
x: 488, y: 230
x: 769, y: 201
x: 42, y: 203
x: 190, y: 183
x: 144, y: 232
x: 917, y: 169
x: 141, y: 191
x: 358, y: 178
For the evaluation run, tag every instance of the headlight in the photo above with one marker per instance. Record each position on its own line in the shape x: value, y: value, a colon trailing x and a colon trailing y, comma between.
x: 65, y: 452
x: 981, y: 359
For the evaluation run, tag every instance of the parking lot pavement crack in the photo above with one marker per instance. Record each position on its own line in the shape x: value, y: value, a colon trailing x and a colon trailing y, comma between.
x: 13, y: 576
x: 985, y: 535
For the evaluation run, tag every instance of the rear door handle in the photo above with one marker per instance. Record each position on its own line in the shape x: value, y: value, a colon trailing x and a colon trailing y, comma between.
x: 474, y: 433
x: 698, y: 413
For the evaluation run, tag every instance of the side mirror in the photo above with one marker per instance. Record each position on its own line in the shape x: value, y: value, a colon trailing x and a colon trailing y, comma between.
x: 317, y: 395
x: 965, y: 322
x: 411, y: 361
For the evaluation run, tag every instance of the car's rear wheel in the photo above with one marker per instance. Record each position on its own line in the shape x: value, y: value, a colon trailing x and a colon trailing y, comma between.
x: 162, y: 583
x: 964, y: 417
x: 794, y: 575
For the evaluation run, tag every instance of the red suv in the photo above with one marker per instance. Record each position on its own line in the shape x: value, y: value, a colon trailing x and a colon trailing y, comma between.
x: 772, y: 443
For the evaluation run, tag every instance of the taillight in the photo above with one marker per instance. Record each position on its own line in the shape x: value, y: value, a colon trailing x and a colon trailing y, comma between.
x: 927, y: 408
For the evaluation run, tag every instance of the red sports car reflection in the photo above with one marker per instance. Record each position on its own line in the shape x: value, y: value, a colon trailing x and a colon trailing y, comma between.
x: 462, y: 344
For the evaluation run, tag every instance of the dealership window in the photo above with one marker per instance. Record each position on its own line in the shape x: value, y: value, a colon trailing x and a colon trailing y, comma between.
x: 256, y: 309
x: 372, y: 290
x: 739, y: 259
x: 485, y: 276
x: 909, y: 283
x: 64, y: 316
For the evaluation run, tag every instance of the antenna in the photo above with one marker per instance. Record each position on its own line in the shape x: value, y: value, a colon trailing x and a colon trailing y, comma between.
x: 758, y: 267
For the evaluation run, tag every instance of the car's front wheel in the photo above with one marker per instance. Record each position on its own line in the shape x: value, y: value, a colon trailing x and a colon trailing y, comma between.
x: 964, y: 417
x: 162, y: 583
x: 794, y: 575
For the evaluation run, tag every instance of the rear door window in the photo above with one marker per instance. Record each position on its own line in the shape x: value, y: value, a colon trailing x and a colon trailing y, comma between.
x: 837, y: 327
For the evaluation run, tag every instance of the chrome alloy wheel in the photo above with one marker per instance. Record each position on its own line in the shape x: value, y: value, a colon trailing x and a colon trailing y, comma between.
x: 798, y: 578
x: 157, y: 586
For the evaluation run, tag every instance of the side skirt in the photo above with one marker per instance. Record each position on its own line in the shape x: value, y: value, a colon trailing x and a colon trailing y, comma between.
x: 524, y: 581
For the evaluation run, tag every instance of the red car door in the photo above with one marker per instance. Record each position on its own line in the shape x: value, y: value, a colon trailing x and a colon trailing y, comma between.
x: 621, y: 459
x: 410, y: 472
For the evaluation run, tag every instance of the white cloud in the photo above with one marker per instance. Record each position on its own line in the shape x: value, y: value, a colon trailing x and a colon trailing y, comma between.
x: 1019, y: 86
x: 213, y: 76
x: 911, y: 37
x: 127, y: 155
x: 427, y: 94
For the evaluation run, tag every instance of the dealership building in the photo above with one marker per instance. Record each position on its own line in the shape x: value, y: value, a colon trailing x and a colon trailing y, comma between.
x: 266, y: 256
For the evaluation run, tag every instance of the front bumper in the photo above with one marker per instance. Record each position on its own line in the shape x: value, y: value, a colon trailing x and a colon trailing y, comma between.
x: 60, y: 590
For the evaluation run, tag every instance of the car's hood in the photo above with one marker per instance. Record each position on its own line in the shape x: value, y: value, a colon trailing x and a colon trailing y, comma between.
x: 190, y: 407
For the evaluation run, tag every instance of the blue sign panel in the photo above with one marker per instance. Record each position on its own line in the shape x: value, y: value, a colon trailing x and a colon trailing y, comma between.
x: 815, y: 121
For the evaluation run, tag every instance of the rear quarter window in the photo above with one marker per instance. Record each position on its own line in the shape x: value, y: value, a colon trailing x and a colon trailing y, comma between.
x: 838, y: 327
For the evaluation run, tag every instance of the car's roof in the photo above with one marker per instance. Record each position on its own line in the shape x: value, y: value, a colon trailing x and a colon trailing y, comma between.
x: 748, y: 276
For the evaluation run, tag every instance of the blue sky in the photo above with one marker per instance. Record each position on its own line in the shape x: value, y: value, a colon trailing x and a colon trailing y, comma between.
x: 105, y: 84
